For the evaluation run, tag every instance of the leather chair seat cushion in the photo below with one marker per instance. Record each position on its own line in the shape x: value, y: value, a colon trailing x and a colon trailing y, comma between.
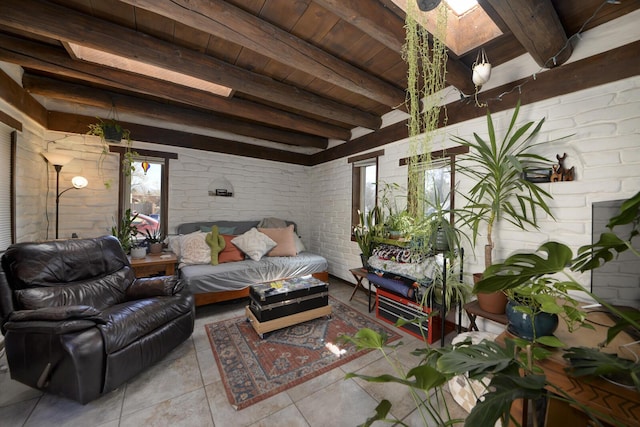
x: 99, y: 292
x: 130, y: 321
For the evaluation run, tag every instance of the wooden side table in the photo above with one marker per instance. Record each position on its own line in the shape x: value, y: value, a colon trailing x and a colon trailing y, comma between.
x: 151, y: 265
x: 360, y: 274
x: 473, y: 311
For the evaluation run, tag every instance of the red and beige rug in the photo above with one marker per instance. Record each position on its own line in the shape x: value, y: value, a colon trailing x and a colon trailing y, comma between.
x: 253, y: 369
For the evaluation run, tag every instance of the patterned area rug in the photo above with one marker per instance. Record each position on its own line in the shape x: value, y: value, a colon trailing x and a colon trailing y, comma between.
x: 253, y: 369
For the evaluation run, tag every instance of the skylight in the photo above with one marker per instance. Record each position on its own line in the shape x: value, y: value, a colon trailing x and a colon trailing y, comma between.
x: 468, y: 26
x: 115, y: 61
x: 460, y: 7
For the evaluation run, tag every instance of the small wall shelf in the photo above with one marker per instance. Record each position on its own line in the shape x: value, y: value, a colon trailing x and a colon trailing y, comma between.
x: 220, y: 187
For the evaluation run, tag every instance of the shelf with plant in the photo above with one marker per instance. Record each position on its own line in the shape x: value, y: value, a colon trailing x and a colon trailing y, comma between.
x: 509, y: 368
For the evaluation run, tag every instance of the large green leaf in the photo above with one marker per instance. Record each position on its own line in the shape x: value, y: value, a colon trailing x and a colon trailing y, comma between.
x: 496, y: 404
x: 477, y: 360
x: 518, y: 269
x: 604, y: 250
x: 590, y: 361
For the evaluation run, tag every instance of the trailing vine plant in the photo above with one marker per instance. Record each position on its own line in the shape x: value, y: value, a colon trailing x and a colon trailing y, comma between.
x: 101, y: 129
x: 426, y: 58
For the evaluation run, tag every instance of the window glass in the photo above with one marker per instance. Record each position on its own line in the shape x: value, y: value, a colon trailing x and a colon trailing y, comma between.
x: 368, y: 187
x: 144, y: 195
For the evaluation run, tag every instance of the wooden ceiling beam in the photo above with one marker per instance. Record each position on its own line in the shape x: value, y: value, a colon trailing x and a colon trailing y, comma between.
x: 79, y: 94
x: 19, y: 98
x: 74, y: 123
x: 228, y: 22
x: 379, y: 22
x: 613, y: 65
x: 44, y: 19
x: 47, y: 58
x: 536, y: 25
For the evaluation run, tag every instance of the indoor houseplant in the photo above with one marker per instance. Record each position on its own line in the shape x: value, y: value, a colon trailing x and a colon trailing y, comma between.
x: 510, y: 365
x: 110, y: 131
x: 368, y: 230
x: 500, y: 191
x: 154, y: 238
x: 125, y: 231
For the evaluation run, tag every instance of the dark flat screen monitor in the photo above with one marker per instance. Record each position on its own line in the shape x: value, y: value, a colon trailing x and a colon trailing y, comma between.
x: 618, y: 281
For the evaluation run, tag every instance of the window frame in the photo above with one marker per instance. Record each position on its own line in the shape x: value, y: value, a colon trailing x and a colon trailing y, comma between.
x: 356, y: 183
x: 441, y: 156
x: 125, y: 180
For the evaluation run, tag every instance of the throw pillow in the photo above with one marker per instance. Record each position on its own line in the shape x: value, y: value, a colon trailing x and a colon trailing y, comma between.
x: 230, y: 253
x: 299, y: 245
x: 216, y: 243
x: 173, y: 243
x: 286, y: 246
x: 221, y: 230
x: 194, y: 249
x: 254, y: 243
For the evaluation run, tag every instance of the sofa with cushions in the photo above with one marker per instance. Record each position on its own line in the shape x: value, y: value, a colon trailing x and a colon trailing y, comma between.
x: 254, y: 252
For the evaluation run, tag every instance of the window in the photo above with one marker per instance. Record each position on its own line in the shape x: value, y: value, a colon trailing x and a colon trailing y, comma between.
x: 364, y: 194
x: 7, y: 173
x: 146, y: 192
x: 438, y: 180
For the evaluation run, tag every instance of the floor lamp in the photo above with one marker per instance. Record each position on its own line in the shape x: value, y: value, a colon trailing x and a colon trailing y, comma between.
x: 58, y: 160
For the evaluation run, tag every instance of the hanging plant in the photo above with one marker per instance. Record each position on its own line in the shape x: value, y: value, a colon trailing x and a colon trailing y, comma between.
x: 110, y: 131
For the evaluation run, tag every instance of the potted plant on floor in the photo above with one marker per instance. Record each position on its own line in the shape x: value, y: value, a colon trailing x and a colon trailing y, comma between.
x: 500, y: 191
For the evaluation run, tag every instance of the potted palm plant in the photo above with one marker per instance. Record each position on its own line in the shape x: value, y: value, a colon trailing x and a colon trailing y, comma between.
x: 501, y: 192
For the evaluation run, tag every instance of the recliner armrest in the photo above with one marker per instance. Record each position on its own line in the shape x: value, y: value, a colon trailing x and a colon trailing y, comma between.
x: 154, y: 287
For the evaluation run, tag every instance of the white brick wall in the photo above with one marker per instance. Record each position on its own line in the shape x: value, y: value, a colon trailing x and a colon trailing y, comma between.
x: 604, y: 147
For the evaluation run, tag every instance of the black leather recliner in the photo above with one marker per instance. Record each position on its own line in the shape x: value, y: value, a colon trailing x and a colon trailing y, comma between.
x: 76, y: 321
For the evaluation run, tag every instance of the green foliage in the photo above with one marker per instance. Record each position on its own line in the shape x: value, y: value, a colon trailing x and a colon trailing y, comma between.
x: 125, y: 231
x: 154, y: 236
x: 590, y: 361
x: 500, y: 191
x: 369, y: 228
x: 103, y: 129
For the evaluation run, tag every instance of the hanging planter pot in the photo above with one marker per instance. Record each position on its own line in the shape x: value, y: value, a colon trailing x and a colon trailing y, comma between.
x: 481, y: 69
x: 113, y: 132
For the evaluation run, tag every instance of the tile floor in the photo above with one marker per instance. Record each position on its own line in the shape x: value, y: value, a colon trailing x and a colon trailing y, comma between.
x: 184, y: 389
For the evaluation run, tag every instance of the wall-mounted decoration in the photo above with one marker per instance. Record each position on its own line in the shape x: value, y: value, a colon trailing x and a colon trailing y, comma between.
x: 560, y: 172
x: 220, y: 187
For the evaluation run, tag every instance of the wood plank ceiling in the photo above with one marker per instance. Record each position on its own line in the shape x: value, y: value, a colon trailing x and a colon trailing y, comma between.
x: 302, y: 72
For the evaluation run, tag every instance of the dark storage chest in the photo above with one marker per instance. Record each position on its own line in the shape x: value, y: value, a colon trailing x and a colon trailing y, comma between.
x: 273, y: 300
x: 391, y: 307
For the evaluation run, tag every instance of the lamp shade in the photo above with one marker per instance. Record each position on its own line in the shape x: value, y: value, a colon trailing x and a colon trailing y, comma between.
x: 57, y: 159
x: 79, y: 182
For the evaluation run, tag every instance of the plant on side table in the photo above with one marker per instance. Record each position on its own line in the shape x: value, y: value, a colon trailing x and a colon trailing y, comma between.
x: 125, y: 231
x: 369, y: 229
x: 501, y: 192
x: 155, y: 240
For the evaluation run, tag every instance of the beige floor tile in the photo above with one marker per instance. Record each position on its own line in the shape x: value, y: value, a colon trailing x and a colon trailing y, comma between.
x: 450, y: 411
x: 167, y: 379
x: 57, y: 411
x: 17, y: 413
x: 402, y: 399
x: 13, y: 391
x: 208, y: 367
x: 303, y: 390
x: 289, y: 416
x: 343, y: 403
x: 190, y: 409
x: 225, y: 416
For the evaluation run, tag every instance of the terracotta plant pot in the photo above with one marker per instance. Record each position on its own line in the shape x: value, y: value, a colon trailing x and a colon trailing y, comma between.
x: 155, y: 248
x: 495, y: 302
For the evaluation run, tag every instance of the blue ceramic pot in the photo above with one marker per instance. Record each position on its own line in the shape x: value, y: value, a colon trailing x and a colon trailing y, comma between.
x: 520, y: 324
